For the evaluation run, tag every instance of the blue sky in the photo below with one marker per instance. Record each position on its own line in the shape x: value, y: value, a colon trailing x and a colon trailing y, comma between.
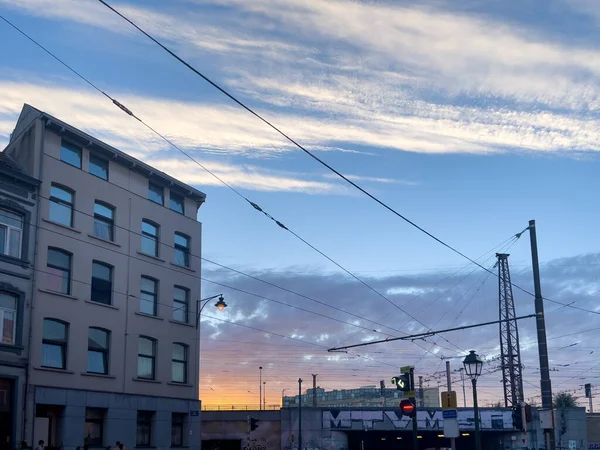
x: 468, y: 117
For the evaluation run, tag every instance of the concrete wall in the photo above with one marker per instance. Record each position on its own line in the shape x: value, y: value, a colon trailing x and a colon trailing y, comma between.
x: 221, y: 425
x: 593, y: 430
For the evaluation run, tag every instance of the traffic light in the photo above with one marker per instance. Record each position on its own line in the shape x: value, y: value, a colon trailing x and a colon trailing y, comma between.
x: 252, y: 424
x: 402, y: 382
x: 408, y: 408
x: 517, y: 418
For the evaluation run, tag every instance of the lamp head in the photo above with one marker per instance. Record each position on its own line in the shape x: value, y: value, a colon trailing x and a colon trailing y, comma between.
x: 473, y: 365
x: 221, y: 304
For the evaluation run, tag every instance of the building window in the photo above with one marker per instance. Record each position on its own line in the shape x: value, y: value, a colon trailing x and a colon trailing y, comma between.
x: 61, y: 205
x: 143, y: 437
x: 180, y: 304
x: 59, y: 263
x: 94, y: 426
x: 182, y: 250
x: 8, y: 318
x: 149, y: 238
x: 176, y: 202
x: 148, y: 296
x: 156, y: 193
x: 101, y: 283
x: 99, y: 167
x: 146, y: 358
x: 54, y: 344
x: 11, y: 233
x: 98, y: 342
x: 70, y: 154
x: 179, y: 363
x: 104, y: 221
x: 177, y: 422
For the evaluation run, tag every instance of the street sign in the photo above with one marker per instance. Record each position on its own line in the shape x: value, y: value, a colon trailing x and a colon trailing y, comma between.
x: 451, y: 428
x: 448, y: 400
x: 405, y: 369
x: 449, y: 414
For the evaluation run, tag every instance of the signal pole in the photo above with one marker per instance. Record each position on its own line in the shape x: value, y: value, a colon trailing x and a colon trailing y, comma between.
x: 545, y: 383
x: 299, y: 413
x: 414, y: 420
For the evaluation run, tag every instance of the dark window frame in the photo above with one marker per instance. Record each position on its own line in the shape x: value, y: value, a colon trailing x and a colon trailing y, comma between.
x: 101, y: 218
x: 71, y: 147
x: 152, y: 357
x: 178, y: 304
x: 69, y: 270
x: 144, y: 425
x: 99, y: 281
x: 153, y: 294
x: 97, y: 159
x: 104, y: 351
x: 180, y: 361
x: 184, y: 250
x: 61, y: 202
x: 157, y: 187
x: 62, y: 343
x: 174, y: 196
x: 98, y: 442
x: 151, y: 237
x: 177, y: 429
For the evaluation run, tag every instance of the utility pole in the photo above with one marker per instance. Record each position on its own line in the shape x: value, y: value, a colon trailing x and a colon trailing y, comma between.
x: 462, y: 378
x: 414, y: 419
x: 265, y: 395
x: 545, y: 383
x: 421, y: 396
x: 299, y: 413
x: 314, y: 375
x: 449, y: 382
x: 260, y: 388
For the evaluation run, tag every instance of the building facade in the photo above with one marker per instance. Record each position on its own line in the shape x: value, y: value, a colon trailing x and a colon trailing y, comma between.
x: 18, y: 210
x: 114, y: 343
x: 363, y: 397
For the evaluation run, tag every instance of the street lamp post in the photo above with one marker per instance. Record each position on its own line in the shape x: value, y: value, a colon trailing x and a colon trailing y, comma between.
x: 473, y: 367
x: 200, y: 304
x: 260, y: 388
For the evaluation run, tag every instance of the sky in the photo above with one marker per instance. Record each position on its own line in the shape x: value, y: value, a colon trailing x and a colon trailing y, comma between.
x: 469, y: 118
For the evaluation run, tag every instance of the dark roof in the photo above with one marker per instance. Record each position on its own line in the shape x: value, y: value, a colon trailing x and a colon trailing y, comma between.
x: 9, y: 163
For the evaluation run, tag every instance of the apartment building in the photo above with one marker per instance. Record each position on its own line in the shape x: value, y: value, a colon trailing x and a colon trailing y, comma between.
x: 114, y: 345
x: 17, y: 212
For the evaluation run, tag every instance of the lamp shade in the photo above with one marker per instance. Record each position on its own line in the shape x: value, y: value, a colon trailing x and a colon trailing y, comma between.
x: 221, y: 304
x: 473, y: 365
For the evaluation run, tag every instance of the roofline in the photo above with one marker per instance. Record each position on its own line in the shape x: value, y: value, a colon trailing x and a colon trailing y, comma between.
x: 23, y: 177
x: 90, y: 142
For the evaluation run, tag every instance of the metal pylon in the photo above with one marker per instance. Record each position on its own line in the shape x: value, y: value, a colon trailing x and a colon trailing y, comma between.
x: 510, y: 354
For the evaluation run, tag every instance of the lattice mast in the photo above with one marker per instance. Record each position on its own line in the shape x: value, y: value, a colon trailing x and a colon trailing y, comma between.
x: 510, y: 354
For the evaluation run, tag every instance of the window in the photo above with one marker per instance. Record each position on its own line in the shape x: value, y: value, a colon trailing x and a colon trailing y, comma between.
x: 149, y: 238
x: 180, y: 304
x: 146, y: 358
x: 98, y: 342
x: 11, y: 232
x: 54, y: 344
x: 59, y: 263
x: 156, y: 193
x: 104, y: 221
x: 61, y: 205
x: 94, y: 425
x: 177, y: 422
x: 8, y: 318
x: 143, y: 437
x: 148, y: 296
x: 176, y: 202
x: 182, y: 250
x: 101, y: 283
x: 70, y: 154
x: 179, y: 364
x: 99, y: 167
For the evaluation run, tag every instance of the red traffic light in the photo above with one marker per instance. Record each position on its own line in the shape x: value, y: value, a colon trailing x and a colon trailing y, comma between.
x: 408, y: 408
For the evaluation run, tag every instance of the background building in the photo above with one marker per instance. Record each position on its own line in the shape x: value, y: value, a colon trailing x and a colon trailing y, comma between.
x: 114, y: 343
x: 18, y: 210
x: 365, y: 396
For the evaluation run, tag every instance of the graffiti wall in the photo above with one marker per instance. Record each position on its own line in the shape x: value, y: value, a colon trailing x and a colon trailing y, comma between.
x: 426, y: 420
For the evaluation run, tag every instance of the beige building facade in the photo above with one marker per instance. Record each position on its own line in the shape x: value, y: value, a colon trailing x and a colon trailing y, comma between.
x: 114, y: 342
